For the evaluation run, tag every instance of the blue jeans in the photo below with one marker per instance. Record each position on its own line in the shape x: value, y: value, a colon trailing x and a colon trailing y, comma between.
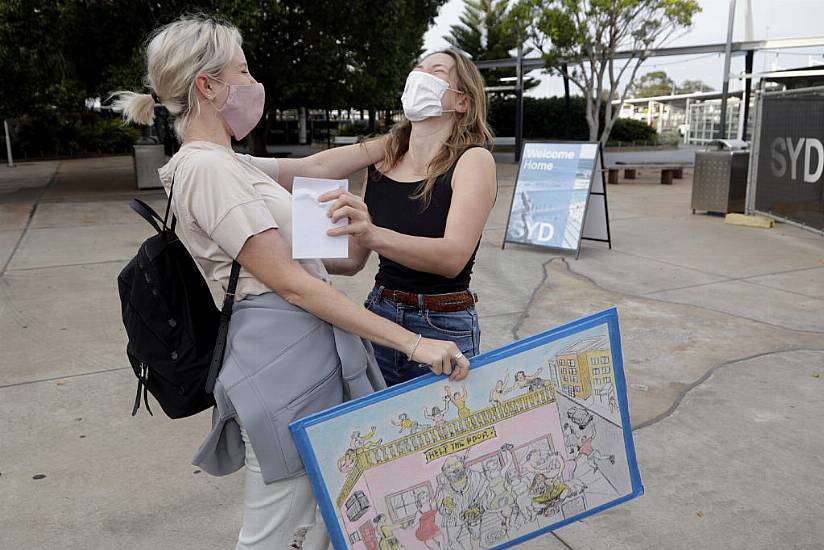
x: 460, y: 326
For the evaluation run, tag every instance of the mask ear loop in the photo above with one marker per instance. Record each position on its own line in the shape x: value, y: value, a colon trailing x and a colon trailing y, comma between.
x: 452, y: 110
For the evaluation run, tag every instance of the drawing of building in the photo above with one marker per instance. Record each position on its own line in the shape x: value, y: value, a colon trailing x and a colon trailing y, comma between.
x: 483, y: 437
x: 585, y: 368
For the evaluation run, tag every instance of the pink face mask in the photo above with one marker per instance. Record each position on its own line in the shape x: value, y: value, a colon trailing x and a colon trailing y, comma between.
x: 243, y: 108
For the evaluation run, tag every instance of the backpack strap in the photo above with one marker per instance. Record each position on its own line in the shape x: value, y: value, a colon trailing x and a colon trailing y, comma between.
x: 169, y: 207
x: 147, y: 213
x: 223, y: 329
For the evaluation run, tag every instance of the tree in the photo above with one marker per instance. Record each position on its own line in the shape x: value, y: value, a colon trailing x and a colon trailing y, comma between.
x: 57, y: 54
x: 691, y: 86
x: 483, y: 33
x: 385, y: 41
x: 655, y: 83
x: 579, y: 38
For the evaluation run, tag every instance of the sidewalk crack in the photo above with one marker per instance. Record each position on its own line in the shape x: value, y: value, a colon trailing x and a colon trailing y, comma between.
x: 29, y: 221
x: 706, y: 376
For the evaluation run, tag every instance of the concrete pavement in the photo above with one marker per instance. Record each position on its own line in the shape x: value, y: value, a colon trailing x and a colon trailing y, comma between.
x: 722, y: 329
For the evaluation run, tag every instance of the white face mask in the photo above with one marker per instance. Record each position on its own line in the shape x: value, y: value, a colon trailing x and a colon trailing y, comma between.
x: 422, y: 96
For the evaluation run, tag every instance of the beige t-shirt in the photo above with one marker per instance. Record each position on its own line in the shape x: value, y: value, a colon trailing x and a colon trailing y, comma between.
x: 222, y: 198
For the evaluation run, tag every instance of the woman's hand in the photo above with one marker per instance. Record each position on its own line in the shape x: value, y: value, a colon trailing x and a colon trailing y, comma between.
x: 350, y: 206
x: 443, y: 357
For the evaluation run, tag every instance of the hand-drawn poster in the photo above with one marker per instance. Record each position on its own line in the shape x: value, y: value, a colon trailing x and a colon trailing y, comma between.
x: 537, y: 436
x: 551, y: 194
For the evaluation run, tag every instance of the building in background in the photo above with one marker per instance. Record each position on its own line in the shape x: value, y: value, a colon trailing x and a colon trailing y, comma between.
x: 694, y: 118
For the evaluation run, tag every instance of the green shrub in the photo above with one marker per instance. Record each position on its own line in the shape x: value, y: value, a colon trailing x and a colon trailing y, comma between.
x: 628, y: 130
x: 544, y: 118
x: 355, y: 128
x: 52, y: 133
x: 106, y: 135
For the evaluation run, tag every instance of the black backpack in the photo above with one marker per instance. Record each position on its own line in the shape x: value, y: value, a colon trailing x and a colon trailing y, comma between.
x: 176, y: 334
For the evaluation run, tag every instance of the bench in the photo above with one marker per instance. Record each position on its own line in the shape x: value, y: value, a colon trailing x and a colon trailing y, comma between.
x: 668, y: 171
x: 345, y: 140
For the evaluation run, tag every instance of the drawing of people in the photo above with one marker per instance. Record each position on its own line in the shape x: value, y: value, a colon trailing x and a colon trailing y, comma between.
x: 570, y: 439
x: 593, y: 456
x: 459, y: 400
x: 547, y: 494
x: 522, y: 512
x: 347, y: 461
x: 500, y: 498
x: 386, y: 536
x: 427, y: 530
x: 613, y: 404
x: 437, y: 414
x: 496, y: 395
x: 459, y: 501
x: 542, y: 461
x: 357, y: 441
x: 407, y: 424
x: 530, y: 382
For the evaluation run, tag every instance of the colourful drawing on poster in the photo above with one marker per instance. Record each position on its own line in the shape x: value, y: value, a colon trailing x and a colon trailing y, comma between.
x: 534, y: 438
x: 551, y: 192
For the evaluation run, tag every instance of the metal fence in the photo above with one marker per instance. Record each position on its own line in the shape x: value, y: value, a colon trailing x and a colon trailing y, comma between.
x: 787, y: 164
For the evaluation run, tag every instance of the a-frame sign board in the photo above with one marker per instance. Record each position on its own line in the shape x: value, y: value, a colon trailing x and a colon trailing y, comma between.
x: 560, y: 197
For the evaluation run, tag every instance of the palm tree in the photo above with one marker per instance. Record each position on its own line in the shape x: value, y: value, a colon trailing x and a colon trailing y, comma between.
x: 483, y: 35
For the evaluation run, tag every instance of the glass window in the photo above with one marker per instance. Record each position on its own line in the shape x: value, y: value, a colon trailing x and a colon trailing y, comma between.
x: 605, y: 360
x: 605, y: 370
x: 596, y: 371
x: 403, y: 505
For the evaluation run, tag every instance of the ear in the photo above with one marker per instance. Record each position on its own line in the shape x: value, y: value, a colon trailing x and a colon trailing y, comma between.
x: 204, y: 87
x: 462, y: 104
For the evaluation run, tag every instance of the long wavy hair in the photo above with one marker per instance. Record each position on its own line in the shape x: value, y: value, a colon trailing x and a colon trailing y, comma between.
x: 469, y: 128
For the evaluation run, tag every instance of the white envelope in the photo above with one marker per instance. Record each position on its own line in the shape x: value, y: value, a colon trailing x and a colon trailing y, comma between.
x: 310, y: 223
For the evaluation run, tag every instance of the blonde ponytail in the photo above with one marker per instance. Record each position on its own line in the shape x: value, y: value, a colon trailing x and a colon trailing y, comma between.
x: 137, y: 108
x: 176, y: 53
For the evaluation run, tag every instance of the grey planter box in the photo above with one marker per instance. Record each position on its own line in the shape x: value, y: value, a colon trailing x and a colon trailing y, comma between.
x: 147, y: 160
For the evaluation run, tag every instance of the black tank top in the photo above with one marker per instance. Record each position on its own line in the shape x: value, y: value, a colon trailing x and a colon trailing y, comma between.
x: 391, y: 206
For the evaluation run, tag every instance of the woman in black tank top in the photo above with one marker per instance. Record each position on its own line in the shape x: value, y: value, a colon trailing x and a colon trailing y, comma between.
x: 423, y: 211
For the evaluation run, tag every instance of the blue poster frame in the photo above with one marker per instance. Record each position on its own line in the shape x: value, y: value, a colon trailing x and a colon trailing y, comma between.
x: 609, y: 317
x: 577, y: 249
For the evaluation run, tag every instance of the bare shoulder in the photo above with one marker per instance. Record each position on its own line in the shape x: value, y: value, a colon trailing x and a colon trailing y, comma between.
x: 476, y: 168
x: 476, y: 158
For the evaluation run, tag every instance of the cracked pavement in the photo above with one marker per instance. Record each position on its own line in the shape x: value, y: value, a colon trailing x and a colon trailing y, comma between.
x: 723, y: 343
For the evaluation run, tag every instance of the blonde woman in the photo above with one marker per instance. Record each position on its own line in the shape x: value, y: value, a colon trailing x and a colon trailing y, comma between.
x: 294, y: 344
x: 424, y: 208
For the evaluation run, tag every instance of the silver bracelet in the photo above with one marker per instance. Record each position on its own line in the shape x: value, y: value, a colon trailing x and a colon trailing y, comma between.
x: 411, y: 353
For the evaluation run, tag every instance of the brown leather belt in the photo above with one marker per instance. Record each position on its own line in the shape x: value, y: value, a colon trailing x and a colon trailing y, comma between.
x: 454, y: 301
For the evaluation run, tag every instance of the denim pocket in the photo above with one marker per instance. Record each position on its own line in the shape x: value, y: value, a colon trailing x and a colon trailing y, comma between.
x: 372, y: 298
x: 456, y: 324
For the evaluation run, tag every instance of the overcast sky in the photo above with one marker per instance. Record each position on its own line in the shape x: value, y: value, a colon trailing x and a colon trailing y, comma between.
x: 771, y: 19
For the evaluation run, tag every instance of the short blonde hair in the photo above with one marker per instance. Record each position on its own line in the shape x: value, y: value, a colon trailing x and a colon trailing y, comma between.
x: 176, y: 53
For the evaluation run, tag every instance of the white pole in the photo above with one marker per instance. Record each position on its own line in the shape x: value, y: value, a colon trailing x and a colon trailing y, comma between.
x: 8, y: 144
